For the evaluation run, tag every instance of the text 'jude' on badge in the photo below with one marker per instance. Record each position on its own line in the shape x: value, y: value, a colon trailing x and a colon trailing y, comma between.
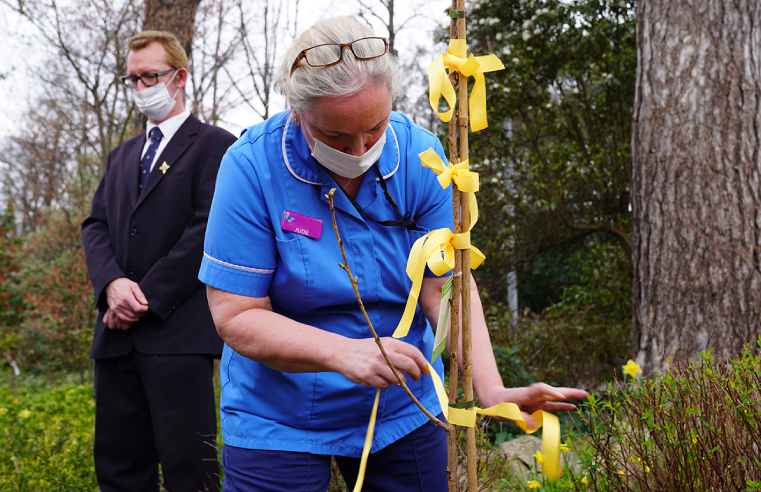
x: 301, y: 224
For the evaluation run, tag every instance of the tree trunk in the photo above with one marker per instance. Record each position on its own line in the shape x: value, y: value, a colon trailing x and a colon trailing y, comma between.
x: 695, y: 179
x: 177, y: 17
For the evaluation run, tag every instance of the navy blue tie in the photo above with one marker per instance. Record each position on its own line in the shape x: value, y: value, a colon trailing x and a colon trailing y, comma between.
x: 145, y: 163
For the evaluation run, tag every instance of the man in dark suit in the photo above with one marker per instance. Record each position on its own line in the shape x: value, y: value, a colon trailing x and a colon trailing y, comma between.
x: 155, y: 341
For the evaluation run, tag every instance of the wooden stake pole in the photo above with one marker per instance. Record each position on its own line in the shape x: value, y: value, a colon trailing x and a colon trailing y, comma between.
x: 454, y: 324
x: 467, y: 337
x: 454, y: 330
x: 461, y: 282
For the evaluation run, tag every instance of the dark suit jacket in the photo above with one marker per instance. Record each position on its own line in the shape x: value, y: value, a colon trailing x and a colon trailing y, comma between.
x: 156, y: 239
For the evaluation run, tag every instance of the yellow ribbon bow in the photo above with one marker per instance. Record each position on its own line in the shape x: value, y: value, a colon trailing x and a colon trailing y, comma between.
x: 439, y: 85
x: 435, y: 249
x: 465, y: 180
x: 458, y: 174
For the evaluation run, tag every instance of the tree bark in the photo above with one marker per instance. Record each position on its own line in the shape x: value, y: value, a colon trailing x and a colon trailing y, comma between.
x: 696, y: 207
x: 177, y: 17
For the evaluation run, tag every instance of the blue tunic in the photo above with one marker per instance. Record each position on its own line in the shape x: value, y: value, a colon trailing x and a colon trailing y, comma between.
x: 268, y: 171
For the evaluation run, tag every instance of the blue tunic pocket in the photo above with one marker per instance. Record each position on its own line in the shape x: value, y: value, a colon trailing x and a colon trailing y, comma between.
x: 292, y: 281
x: 339, y: 403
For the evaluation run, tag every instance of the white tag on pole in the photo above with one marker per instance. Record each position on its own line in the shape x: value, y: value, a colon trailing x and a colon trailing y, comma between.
x: 442, y: 327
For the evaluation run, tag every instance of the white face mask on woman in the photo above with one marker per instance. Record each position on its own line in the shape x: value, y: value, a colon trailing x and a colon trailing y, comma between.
x: 346, y: 165
x: 155, y: 101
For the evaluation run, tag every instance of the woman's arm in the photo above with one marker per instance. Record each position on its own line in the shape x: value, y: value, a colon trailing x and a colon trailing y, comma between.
x: 250, y: 327
x: 487, y: 381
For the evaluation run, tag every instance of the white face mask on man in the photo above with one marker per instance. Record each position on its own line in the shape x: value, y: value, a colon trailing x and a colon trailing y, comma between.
x: 346, y: 165
x: 155, y: 101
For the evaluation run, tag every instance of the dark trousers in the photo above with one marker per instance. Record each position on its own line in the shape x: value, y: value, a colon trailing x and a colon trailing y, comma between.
x: 152, y: 409
x: 415, y: 463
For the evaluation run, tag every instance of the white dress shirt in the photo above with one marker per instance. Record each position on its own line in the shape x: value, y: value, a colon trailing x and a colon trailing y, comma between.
x: 168, y: 129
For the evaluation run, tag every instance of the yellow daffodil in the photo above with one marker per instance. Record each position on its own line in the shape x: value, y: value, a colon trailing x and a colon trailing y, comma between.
x: 533, y: 484
x: 539, y: 457
x: 632, y: 368
x: 24, y: 414
x: 585, y: 480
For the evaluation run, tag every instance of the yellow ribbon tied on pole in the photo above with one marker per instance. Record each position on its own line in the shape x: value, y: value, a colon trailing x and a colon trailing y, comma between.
x: 466, y: 417
x: 439, y: 85
x: 458, y: 174
x: 466, y: 181
x: 436, y: 249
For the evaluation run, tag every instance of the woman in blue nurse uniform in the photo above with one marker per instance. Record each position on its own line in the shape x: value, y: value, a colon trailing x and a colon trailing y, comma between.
x: 300, y: 368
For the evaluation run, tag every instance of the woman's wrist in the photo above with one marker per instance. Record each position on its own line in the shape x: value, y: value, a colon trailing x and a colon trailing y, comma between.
x: 494, y: 394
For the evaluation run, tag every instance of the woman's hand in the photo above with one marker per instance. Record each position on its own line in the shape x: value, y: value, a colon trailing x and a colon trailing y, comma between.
x: 538, y: 396
x: 363, y: 363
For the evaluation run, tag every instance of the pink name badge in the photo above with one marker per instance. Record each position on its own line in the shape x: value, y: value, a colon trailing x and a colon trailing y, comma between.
x: 301, y: 224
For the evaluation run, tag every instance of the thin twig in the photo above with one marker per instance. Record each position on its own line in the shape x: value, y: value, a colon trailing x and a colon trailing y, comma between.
x: 345, y: 266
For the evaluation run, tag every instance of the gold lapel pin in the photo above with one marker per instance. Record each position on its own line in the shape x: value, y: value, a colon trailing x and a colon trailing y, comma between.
x: 164, y: 168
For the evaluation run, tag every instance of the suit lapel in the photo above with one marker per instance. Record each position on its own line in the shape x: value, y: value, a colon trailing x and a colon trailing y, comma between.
x: 180, y: 142
x: 131, y: 169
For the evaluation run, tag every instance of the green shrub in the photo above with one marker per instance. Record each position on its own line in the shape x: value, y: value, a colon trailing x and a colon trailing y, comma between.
x: 56, y: 333
x: 46, y: 439
x: 12, y: 303
x: 695, y: 426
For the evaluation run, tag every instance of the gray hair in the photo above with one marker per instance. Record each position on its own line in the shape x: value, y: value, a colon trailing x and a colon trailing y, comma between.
x: 342, y: 79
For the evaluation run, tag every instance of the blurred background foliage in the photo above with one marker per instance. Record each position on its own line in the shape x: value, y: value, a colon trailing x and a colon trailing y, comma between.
x: 555, y: 176
x: 47, y: 312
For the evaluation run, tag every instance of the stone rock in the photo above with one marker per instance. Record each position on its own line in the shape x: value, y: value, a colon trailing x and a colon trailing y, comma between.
x: 520, y: 457
x: 522, y: 448
x: 519, y: 454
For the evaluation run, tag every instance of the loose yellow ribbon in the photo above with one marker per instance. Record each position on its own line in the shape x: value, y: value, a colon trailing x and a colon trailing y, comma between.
x: 466, y: 417
x: 368, y: 445
x: 439, y: 85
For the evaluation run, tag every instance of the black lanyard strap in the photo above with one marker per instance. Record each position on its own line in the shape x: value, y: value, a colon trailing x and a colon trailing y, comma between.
x: 406, y: 219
